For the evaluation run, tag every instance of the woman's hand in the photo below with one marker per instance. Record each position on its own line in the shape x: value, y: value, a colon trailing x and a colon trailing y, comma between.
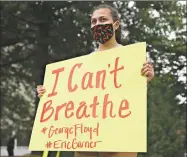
x: 148, y: 71
x: 40, y: 90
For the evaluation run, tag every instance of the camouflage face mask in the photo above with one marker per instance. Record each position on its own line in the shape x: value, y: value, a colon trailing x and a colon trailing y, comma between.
x: 102, y: 32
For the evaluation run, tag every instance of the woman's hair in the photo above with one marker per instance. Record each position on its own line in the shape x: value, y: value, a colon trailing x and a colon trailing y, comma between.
x: 115, y: 17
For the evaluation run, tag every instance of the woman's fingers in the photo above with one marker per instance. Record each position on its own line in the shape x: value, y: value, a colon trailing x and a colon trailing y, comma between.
x: 40, y: 90
x: 39, y: 86
x: 148, y: 70
x: 146, y: 67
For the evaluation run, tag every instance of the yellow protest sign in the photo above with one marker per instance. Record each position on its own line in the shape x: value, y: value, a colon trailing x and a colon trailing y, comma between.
x: 95, y: 102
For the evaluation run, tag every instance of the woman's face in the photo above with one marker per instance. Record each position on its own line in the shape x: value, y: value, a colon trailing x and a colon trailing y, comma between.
x: 101, y: 16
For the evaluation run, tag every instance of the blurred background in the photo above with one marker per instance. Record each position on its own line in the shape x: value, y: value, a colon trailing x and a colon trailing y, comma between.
x: 34, y: 34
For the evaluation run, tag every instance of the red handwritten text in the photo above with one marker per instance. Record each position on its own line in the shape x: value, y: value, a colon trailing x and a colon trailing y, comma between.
x: 70, y: 109
x: 75, y: 130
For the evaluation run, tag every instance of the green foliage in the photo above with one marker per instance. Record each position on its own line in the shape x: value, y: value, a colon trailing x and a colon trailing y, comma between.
x: 37, y: 33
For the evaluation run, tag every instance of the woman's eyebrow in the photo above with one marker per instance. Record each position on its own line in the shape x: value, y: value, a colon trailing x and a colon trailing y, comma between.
x: 102, y: 16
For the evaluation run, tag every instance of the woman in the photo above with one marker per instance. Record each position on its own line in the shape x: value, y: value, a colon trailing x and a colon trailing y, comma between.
x: 105, y: 26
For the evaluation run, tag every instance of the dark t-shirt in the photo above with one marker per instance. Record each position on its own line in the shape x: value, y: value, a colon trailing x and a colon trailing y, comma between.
x: 11, y: 143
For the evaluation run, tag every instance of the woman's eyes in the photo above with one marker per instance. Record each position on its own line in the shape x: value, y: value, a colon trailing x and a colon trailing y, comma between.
x: 93, y: 21
x: 100, y: 20
x: 103, y: 19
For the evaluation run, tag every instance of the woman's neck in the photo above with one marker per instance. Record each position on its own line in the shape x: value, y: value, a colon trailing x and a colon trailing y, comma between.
x: 109, y: 45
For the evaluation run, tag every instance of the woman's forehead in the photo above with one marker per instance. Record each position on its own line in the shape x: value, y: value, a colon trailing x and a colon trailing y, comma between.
x: 101, y: 12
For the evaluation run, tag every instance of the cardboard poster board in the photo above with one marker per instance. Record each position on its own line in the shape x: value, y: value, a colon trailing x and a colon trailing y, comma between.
x: 94, y: 103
